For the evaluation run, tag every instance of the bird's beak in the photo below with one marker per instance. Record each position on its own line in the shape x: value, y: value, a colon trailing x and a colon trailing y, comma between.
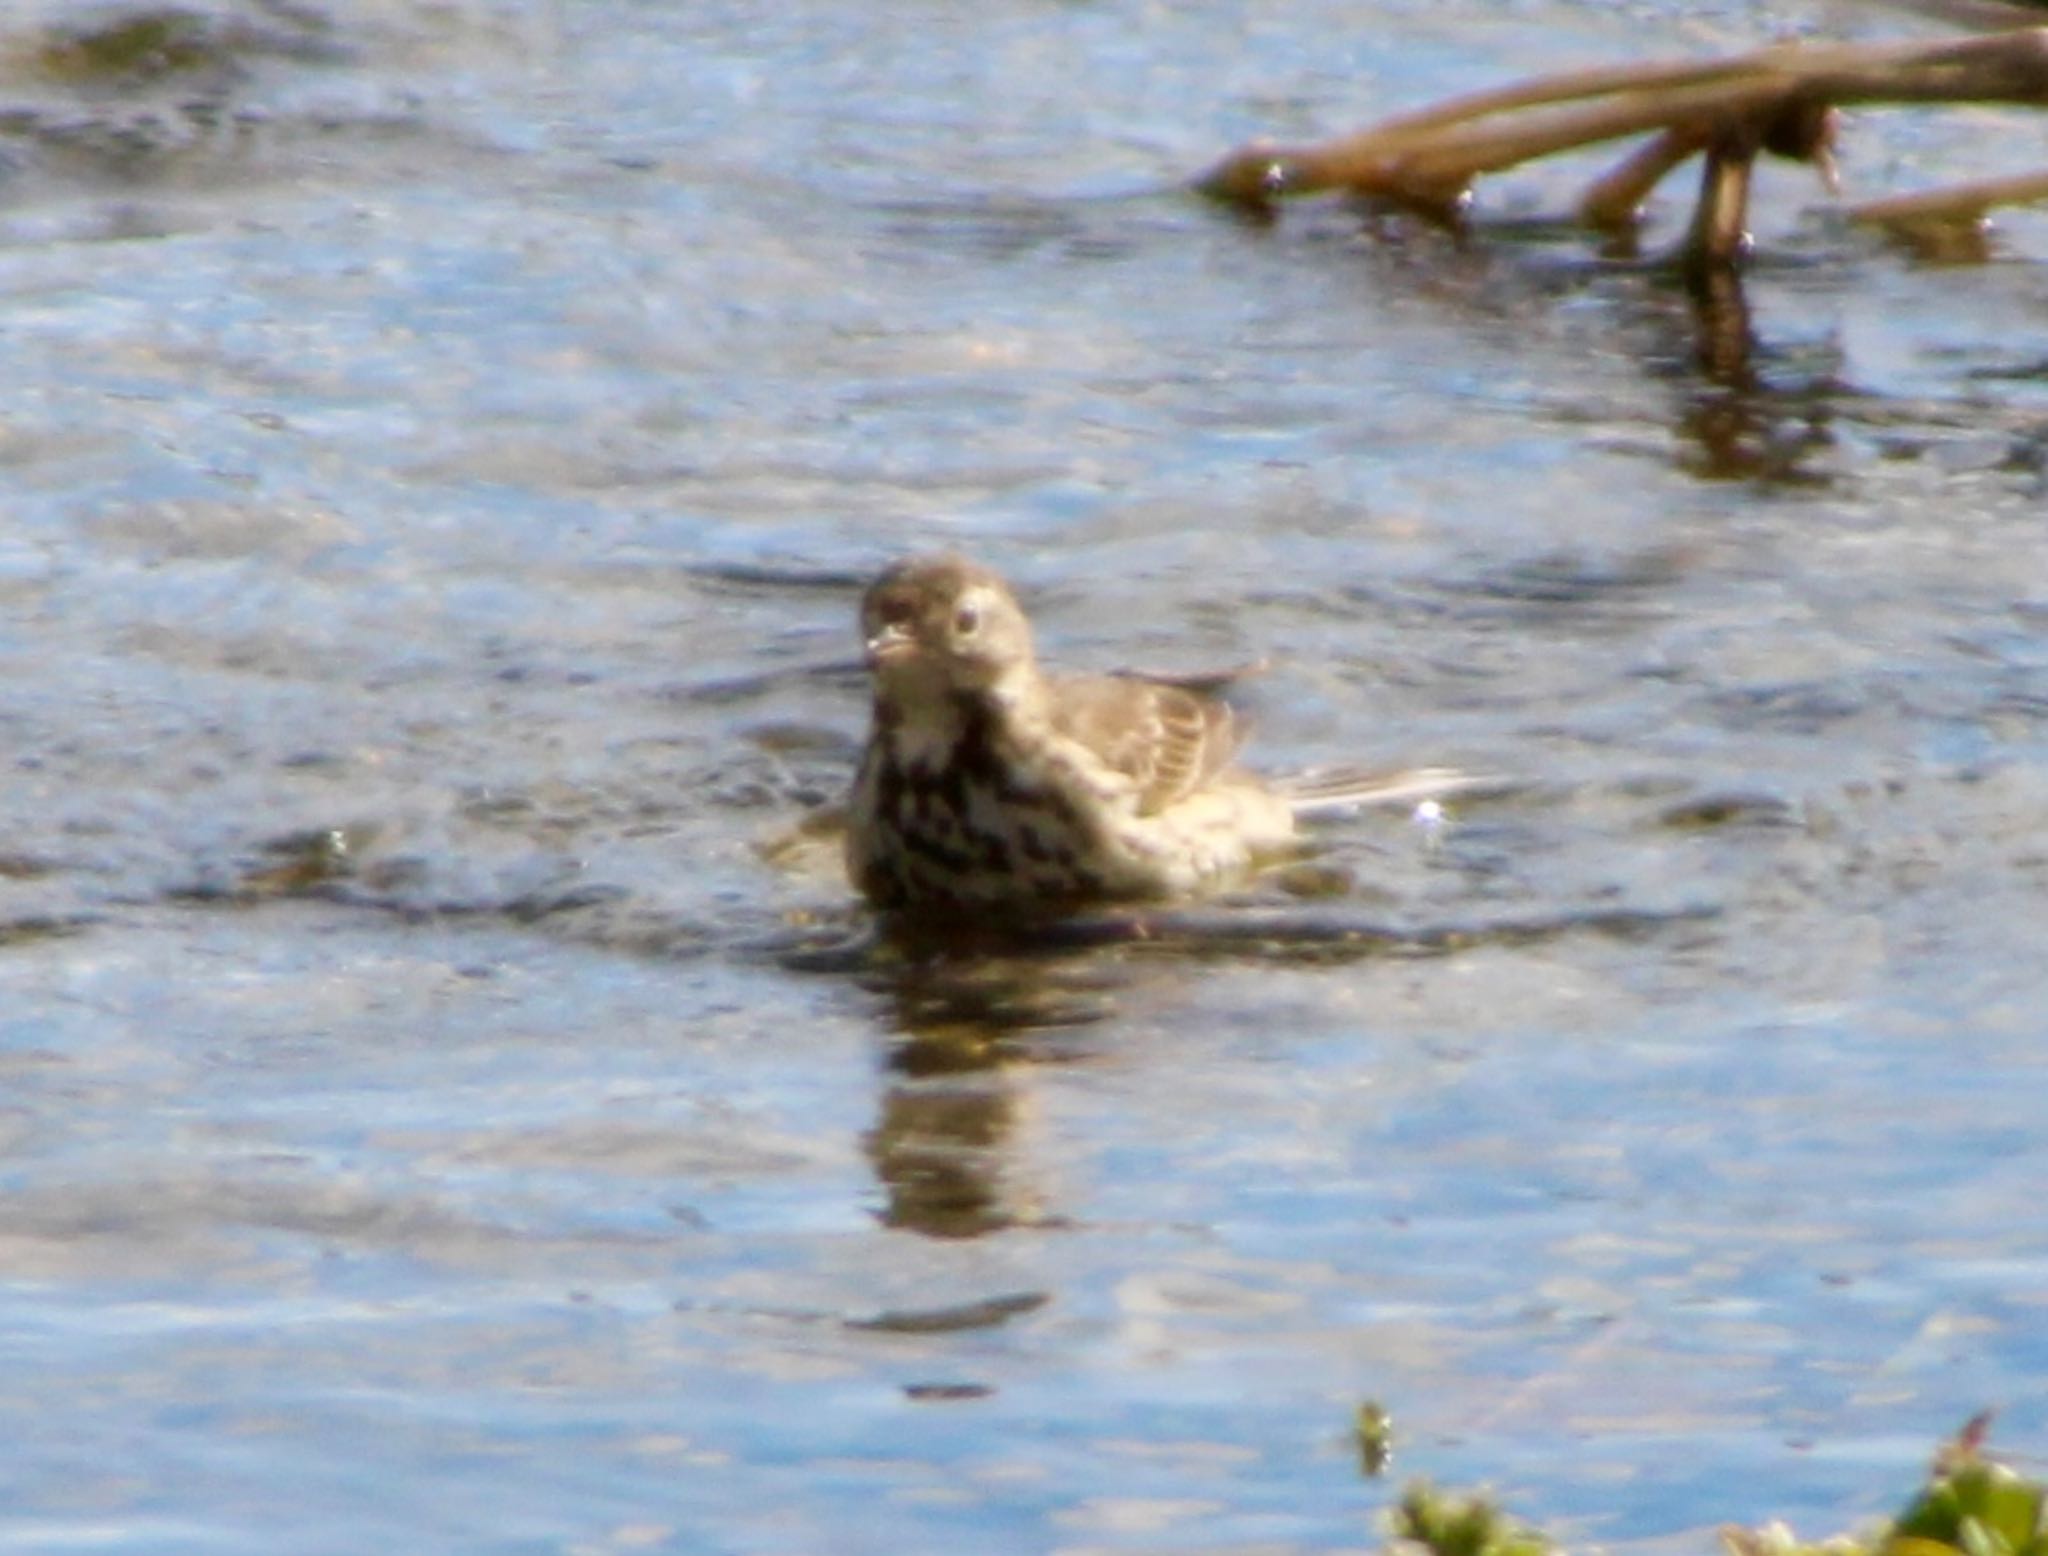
x: 892, y: 643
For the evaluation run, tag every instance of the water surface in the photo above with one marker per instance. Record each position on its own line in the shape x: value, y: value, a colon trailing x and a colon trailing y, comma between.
x: 443, y: 446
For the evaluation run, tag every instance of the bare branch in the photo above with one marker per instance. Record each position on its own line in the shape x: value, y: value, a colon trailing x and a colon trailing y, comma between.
x: 1780, y: 100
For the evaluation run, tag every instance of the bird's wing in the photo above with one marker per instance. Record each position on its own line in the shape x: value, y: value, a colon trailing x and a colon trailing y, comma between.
x: 1166, y: 738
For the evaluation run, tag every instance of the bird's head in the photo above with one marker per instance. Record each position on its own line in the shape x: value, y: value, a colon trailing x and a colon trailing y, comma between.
x: 935, y: 626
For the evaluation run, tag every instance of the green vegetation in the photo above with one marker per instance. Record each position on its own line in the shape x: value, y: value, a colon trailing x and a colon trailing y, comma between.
x: 1446, y: 1523
x: 1970, y: 1505
x: 1372, y: 1433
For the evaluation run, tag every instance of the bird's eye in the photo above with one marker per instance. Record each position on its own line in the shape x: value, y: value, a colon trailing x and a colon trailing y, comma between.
x: 967, y: 621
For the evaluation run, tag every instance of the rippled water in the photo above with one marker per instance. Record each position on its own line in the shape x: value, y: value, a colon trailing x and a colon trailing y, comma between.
x: 442, y: 446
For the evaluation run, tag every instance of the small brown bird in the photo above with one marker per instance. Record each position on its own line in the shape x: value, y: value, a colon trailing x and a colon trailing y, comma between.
x: 987, y: 783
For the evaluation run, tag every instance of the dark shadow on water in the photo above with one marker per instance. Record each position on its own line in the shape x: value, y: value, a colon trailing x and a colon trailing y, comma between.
x: 1257, y: 931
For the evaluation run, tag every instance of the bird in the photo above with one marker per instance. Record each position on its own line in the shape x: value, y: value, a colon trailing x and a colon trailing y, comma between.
x: 988, y: 785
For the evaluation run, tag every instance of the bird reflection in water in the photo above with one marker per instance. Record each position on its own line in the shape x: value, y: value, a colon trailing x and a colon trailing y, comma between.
x: 950, y: 1143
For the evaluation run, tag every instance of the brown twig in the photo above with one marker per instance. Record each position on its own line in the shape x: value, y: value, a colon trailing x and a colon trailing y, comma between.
x: 1956, y: 203
x: 1720, y: 222
x: 1950, y: 225
x: 1614, y: 202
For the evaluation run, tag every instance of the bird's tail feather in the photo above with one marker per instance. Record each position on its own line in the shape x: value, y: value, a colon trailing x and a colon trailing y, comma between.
x: 1343, y: 788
